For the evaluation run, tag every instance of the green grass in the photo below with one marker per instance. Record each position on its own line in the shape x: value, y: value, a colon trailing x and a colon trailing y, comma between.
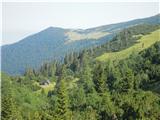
x: 147, y: 40
x: 74, y: 36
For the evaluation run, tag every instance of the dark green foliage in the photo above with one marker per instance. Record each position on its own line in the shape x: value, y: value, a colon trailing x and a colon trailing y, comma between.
x: 80, y: 100
x: 99, y: 79
x: 127, y: 82
x: 62, y: 110
x: 9, y: 110
x: 87, y: 90
x: 111, y: 91
x: 107, y: 108
x: 86, y: 79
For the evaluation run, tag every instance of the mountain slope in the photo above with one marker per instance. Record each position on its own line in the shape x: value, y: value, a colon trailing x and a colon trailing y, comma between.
x: 143, y: 43
x: 118, y: 26
x: 54, y: 43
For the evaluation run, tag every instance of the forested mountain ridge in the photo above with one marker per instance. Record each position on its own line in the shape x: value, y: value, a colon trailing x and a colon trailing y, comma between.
x: 54, y: 43
x: 112, y: 91
x: 83, y: 88
x: 149, y: 20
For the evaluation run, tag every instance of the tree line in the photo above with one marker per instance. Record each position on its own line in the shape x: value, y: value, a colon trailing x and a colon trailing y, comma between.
x: 87, y: 89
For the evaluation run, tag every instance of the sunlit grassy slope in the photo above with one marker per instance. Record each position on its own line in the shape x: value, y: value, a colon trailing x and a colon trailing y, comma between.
x: 143, y: 43
x: 75, y: 36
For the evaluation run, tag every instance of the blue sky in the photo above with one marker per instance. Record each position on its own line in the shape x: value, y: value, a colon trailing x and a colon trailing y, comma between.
x: 23, y: 19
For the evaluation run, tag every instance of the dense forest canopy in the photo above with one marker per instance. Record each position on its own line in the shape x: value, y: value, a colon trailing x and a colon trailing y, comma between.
x: 82, y: 88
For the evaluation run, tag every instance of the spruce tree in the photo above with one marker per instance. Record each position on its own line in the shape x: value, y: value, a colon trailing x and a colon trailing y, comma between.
x: 99, y: 79
x: 86, y: 79
x: 63, y: 73
x: 9, y: 110
x: 62, y: 102
x: 128, y: 80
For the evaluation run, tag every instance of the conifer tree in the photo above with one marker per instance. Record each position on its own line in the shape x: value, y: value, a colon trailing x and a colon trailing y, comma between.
x: 128, y: 80
x: 63, y: 73
x: 99, y: 79
x: 9, y: 109
x: 62, y: 102
x: 86, y: 79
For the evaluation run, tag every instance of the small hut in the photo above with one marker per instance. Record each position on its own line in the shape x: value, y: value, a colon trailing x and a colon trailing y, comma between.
x: 45, y: 82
